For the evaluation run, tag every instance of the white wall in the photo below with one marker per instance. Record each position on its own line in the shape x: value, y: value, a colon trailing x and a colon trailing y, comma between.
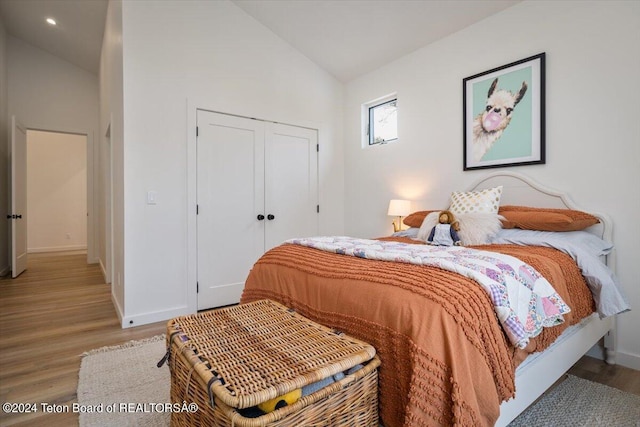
x: 56, y: 191
x: 110, y: 182
x: 4, y: 153
x: 179, y: 56
x: 48, y: 93
x: 592, y: 132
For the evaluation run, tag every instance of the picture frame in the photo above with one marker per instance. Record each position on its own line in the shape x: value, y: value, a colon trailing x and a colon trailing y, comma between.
x: 504, y: 115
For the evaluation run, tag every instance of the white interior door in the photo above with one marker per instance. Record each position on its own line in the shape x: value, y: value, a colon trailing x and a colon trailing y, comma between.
x: 230, y: 197
x: 291, y: 183
x: 18, y: 198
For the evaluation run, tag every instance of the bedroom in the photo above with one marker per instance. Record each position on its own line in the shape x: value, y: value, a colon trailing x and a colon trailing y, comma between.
x: 592, y: 66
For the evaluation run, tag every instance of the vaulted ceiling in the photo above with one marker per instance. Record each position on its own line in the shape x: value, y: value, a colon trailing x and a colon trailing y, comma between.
x: 351, y: 38
x: 348, y: 38
x: 77, y: 35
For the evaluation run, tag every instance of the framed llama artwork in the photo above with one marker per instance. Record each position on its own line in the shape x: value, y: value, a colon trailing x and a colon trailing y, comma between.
x: 503, y: 115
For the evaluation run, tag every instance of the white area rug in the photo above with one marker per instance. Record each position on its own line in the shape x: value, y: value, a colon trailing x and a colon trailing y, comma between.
x: 116, y: 382
x: 126, y: 378
x: 578, y: 402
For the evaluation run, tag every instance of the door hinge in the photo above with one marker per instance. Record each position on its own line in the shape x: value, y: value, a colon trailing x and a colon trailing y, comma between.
x: 197, y: 209
x: 318, y: 148
x: 318, y: 208
x: 196, y: 130
x: 197, y: 287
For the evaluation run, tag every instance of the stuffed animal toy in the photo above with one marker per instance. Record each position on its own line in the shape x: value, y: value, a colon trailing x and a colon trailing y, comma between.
x: 293, y: 396
x: 280, y: 401
x: 445, y: 233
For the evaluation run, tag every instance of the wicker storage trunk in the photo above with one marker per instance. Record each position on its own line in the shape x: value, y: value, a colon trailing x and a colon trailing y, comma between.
x: 234, y: 358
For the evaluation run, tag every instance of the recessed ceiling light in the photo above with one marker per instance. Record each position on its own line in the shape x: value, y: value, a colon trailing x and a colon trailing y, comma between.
x: 51, y: 21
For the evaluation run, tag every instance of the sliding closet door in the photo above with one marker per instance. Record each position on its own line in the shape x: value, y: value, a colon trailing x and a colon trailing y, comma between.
x: 230, y: 193
x: 291, y: 182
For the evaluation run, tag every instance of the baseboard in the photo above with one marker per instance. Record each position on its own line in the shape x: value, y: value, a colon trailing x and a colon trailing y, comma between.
x: 57, y: 249
x: 628, y: 360
x: 116, y: 305
x: 153, y: 317
x: 104, y: 273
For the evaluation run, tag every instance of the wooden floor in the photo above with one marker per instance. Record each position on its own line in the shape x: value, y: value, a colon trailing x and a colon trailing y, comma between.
x: 60, y: 307
x: 52, y: 313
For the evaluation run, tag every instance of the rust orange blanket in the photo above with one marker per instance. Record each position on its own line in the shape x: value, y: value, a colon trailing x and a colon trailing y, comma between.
x: 445, y: 359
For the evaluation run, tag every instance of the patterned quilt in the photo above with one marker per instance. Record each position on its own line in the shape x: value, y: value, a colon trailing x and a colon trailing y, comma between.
x: 523, y: 300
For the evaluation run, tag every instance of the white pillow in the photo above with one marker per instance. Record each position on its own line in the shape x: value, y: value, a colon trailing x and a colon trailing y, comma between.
x: 562, y: 240
x: 485, y: 201
x: 475, y: 228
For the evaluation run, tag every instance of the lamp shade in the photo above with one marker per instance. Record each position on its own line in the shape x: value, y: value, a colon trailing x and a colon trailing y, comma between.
x: 399, y: 208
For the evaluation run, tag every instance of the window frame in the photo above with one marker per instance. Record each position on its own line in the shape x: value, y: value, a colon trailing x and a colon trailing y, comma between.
x: 367, y: 115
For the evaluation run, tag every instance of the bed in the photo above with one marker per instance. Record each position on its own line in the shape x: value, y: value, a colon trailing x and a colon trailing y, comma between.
x: 445, y: 357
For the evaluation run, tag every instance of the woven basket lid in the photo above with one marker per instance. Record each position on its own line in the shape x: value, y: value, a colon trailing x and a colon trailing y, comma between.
x: 261, y: 350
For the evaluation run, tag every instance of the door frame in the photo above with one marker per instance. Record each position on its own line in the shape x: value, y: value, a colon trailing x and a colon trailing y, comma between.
x: 106, y: 192
x: 193, y: 105
x: 92, y: 252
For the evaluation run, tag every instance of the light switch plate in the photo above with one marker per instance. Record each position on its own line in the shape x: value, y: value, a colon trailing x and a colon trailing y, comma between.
x: 152, y: 197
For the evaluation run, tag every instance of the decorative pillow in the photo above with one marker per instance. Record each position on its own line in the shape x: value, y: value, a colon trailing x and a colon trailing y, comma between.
x: 475, y: 228
x: 485, y: 201
x: 415, y: 219
x: 546, y: 219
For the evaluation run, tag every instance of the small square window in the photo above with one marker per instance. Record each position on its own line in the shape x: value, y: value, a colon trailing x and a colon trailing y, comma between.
x: 383, y: 121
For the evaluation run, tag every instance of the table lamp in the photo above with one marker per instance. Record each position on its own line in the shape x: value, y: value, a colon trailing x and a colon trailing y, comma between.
x: 399, y: 208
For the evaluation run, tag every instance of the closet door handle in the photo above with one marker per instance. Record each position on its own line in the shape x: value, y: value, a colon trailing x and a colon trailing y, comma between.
x: 260, y: 217
x: 270, y: 217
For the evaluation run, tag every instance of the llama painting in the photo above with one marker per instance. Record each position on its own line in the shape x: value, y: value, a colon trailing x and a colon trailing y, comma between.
x: 504, y: 115
x: 489, y: 125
